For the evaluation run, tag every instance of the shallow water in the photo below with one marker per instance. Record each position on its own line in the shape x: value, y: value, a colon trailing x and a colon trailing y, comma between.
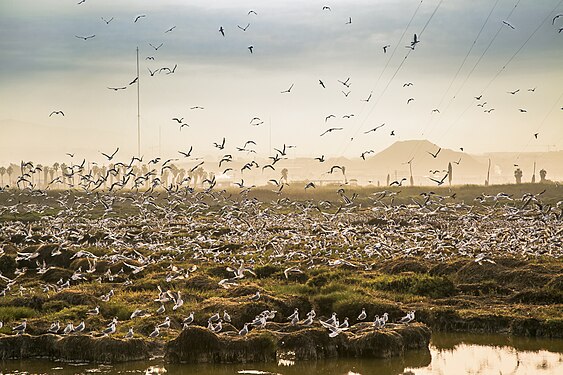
x: 449, y: 354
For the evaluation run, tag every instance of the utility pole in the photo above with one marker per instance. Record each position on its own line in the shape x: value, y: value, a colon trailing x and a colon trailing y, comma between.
x: 138, y: 109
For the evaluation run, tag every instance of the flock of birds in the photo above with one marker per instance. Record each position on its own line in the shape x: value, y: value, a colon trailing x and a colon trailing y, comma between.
x: 144, y: 221
x: 346, y: 84
x: 157, y: 228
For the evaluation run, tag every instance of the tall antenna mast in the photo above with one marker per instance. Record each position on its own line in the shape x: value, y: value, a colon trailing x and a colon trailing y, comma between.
x: 138, y: 110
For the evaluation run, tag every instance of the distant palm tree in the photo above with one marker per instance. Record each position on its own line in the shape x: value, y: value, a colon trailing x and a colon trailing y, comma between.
x: 284, y: 173
x: 2, y: 173
x: 40, y: 167
x: 9, y: 171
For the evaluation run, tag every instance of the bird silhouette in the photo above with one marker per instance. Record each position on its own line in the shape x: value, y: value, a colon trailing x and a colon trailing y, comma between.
x: 346, y: 83
x: 321, y: 159
x: 187, y: 154
x: 155, y: 47
x: 251, y: 49
x: 57, y: 113
x: 288, y: 90
x: 170, y: 29
x: 85, y: 37
x: 322, y: 84
x: 374, y: 129
x: 508, y: 24
x: 330, y: 130
x: 107, y: 21
x: 110, y: 157
x: 139, y: 17
x: 328, y: 117
x: 243, y: 28
x: 435, y: 154
x: 385, y: 48
x: 409, y: 100
x: 222, y: 31
x: 117, y: 88
x: 368, y: 98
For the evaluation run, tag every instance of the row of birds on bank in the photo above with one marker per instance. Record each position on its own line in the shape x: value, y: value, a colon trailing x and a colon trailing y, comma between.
x: 215, y: 323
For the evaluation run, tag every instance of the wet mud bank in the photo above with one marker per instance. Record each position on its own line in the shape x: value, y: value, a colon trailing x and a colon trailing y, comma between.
x: 79, y: 348
x: 198, y: 345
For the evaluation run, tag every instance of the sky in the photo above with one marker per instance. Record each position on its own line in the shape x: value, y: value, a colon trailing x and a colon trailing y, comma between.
x: 464, y: 51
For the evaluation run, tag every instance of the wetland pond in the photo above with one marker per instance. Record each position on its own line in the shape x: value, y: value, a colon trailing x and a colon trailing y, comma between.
x: 449, y: 354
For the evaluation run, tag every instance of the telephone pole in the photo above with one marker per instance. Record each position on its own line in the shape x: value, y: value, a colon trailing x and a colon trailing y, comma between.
x: 138, y: 109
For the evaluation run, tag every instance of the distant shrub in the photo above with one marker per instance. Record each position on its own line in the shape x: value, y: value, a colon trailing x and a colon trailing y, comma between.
x: 422, y: 285
x: 11, y: 313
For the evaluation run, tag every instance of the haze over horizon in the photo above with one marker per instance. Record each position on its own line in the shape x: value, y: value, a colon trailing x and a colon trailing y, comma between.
x: 465, y: 51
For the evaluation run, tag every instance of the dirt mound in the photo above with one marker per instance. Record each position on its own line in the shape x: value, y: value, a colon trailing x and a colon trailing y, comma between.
x: 199, y: 345
x: 73, y: 348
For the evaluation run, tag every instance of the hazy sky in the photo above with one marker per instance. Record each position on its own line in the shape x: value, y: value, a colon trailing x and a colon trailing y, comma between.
x: 44, y: 67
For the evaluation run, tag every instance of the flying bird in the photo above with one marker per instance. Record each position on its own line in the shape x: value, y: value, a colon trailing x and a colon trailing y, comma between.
x: 346, y: 83
x: 513, y: 92
x: 110, y: 157
x: 555, y: 18
x: 326, y: 8
x: 536, y: 135
x: 331, y: 130
x: 139, y: 17
x: 346, y: 93
x: 328, y: 117
x: 222, y: 31
x: 187, y: 154
x: 288, y: 90
x: 436, y: 154
x: 57, y: 113
x: 363, y: 155
x: 321, y: 159
x: 368, y: 98
x: 409, y: 100
x: 374, y: 129
x: 251, y: 48
x: 243, y: 28
x: 439, y: 182
x: 170, y: 29
x: 322, y: 84
x: 85, y: 37
x: 117, y: 88
x: 407, y: 84
x: 179, y: 120
x: 385, y: 48
x: 107, y: 21
x: 522, y: 110
x: 509, y: 25
x: 349, y: 21
x: 335, y: 167
x: 134, y: 81
x: 252, y: 12
x: 156, y: 48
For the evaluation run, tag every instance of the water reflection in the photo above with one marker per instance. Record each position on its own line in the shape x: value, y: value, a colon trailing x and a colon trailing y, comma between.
x: 449, y: 354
